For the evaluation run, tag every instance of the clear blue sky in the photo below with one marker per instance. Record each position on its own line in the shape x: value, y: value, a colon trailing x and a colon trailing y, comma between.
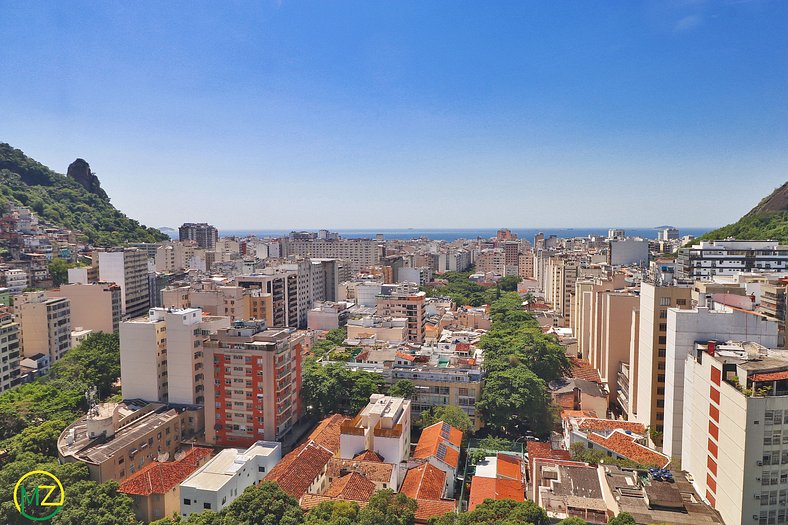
x: 406, y: 114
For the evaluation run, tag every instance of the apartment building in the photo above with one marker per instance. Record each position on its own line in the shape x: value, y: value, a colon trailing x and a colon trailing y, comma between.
x: 95, y: 306
x: 383, y: 427
x: 525, y: 265
x: 491, y: 260
x: 735, y: 430
x: 561, y: 273
x: 128, y: 268
x: 9, y: 350
x: 362, y: 253
x: 15, y: 279
x: 45, y: 324
x: 161, y: 355
x: 328, y: 315
x: 386, y: 329
x: 710, y: 258
x: 685, y: 328
x: 205, y: 235
x: 405, y: 301
x: 253, y: 379
x: 625, y: 252
x: 212, y: 297
x: 273, y: 297
x: 115, y: 440
x: 652, y: 349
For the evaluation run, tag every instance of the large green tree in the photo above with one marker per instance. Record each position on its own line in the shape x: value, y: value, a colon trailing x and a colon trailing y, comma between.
x: 497, y: 512
x: 386, y: 507
x: 515, y: 400
x: 455, y: 416
x: 265, y: 504
x: 333, y: 513
x: 403, y: 388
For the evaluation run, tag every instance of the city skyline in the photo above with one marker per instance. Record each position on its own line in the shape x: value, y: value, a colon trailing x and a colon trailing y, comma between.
x: 509, y: 114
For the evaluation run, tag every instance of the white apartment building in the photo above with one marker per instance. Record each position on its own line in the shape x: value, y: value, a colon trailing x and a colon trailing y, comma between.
x: 735, y: 430
x: 128, y: 269
x: 685, y: 328
x: 624, y: 252
x: 362, y: 253
x: 220, y: 481
x: 16, y: 280
x: 161, y: 355
x: 710, y: 258
x: 383, y: 426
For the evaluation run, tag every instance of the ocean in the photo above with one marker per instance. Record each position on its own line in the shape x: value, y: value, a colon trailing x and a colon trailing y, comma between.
x: 454, y: 234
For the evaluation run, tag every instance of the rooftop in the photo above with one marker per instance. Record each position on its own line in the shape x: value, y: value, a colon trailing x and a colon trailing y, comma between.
x: 424, y: 482
x: 221, y: 468
x: 161, y: 477
x: 298, y: 469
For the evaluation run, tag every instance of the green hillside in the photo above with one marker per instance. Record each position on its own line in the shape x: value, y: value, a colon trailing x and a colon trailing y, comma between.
x: 67, y: 202
x: 768, y: 220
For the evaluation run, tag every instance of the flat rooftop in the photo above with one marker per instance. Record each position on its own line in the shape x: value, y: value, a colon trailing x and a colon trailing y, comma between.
x: 222, y: 467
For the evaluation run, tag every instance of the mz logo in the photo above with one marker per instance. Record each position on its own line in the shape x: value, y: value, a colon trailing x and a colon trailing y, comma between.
x: 41, y: 501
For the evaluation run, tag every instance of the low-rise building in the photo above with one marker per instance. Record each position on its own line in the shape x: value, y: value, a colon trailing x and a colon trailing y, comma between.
x: 328, y: 315
x: 155, y: 489
x: 220, y: 481
x: 383, y: 426
x: 115, y: 440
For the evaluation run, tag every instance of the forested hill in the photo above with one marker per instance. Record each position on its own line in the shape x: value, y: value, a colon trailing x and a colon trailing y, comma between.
x: 75, y: 201
x: 767, y: 220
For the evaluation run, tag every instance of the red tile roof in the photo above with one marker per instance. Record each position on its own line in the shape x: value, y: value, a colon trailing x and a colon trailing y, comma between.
x: 539, y: 450
x: 407, y: 357
x: 428, y: 508
x: 375, y: 471
x: 509, y: 467
x: 310, y: 501
x: 596, y: 424
x: 424, y: 482
x: 161, y: 477
x: 326, y: 433
x: 368, y: 455
x: 625, y: 445
x: 299, y: 469
x: 351, y: 486
x: 582, y: 369
x: 769, y: 376
x: 434, y: 439
x: 492, y: 488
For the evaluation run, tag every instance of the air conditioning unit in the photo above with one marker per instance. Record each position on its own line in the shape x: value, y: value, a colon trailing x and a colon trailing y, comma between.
x: 759, y: 463
x: 757, y: 496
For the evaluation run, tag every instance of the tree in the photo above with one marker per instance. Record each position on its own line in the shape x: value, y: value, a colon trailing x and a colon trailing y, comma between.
x: 572, y: 521
x: 265, y: 504
x: 333, y: 388
x: 403, y: 388
x: 58, y: 270
x: 97, y: 504
x: 509, y: 283
x: 455, y: 416
x: 497, y: 512
x: 385, y: 507
x: 624, y: 518
x: 515, y: 400
x: 333, y: 513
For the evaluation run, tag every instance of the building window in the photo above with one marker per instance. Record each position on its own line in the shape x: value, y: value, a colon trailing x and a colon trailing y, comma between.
x: 681, y: 302
x: 206, y: 505
x: 187, y: 501
x: 664, y: 301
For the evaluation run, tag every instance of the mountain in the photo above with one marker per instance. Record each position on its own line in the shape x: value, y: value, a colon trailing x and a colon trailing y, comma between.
x: 768, y: 220
x: 75, y: 201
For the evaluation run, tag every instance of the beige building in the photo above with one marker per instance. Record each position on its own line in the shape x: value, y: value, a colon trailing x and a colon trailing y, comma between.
x: 211, y: 297
x: 115, y: 440
x: 45, y: 323
x: 94, y: 306
x: 492, y: 260
x: 405, y: 301
x: 652, y: 349
x: 561, y: 274
x: 526, y: 265
x: 390, y: 329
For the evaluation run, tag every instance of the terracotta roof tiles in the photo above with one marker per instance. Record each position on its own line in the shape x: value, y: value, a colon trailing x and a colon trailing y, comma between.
x: 493, y: 488
x: 351, y: 486
x: 299, y: 469
x: 424, y: 482
x: 161, y: 477
x: 375, y: 471
x: 624, y: 445
x: 441, y: 441
x: 368, y: 455
x: 428, y: 508
x: 326, y: 433
x: 596, y: 424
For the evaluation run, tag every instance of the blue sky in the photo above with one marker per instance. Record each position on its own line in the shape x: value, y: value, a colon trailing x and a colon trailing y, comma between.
x: 406, y: 114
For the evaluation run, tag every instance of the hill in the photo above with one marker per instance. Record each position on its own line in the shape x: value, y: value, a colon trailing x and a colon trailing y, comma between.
x: 75, y: 201
x: 767, y: 220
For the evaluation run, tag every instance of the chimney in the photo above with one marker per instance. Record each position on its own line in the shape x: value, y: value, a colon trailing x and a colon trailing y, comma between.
x: 711, y: 347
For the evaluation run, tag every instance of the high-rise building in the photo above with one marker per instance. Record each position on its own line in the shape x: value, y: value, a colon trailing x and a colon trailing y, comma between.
x: 45, y: 324
x: 405, y: 301
x: 161, y: 355
x: 685, y: 328
x: 273, y: 297
x: 128, y: 268
x: 362, y: 253
x: 710, y: 258
x: 735, y: 430
x: 9, y: 350
x: 204, y: 234
x: 253, y: 378
x: 652, y: 349
x: 94, y: 306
